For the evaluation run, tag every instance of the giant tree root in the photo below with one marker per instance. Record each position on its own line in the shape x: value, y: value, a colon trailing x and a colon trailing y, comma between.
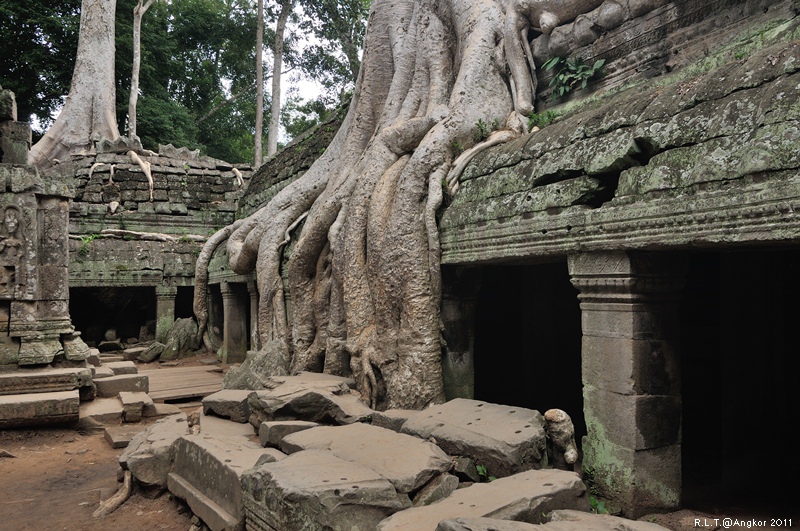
x: 115, y: 502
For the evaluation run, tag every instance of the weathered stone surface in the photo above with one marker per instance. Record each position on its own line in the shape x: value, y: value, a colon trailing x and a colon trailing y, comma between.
x: 39, y: 408
x: 112, y: 386
x: 505, y: 439
x: 524, y: 497
x: 272, y: 433
x: 229, y: 403
x: 122, y: 367
x: 439, y: 488
x: 101, y: 411
x: 121, y: 436
x: 308, y: 396
x: 133, y: 404
x: 159, y: 410
x: 182, y: 340
x: 569, y: 520
x: 392, y: 419
x: 44, y: 380
x: 315, y: 490
x: 152, y: 352
x: 217, y: 427
x: 406, y: 461
x: 149, y: 455
x: 485, y: 524
x: 206, y: 474
x: 464, y: 468
x: 101, y: 372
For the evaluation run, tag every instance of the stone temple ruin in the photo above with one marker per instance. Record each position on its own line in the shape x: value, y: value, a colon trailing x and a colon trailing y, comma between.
x: 633, y: 263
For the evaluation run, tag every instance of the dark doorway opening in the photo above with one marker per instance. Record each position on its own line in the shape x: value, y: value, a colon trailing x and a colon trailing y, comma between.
x: 126, y: 309
x: 740, y: 370
x: 528, y: 340
x: 184, y: 302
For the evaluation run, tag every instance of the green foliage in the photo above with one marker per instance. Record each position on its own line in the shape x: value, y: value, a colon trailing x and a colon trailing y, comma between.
x: 598, y: 506
x: 39, y: 44
x: 570, y: 73
x: 86, y: 244
x: 483, y: 130
x: 541, y: 120
x: 483, y: 472
x: 458, y: 149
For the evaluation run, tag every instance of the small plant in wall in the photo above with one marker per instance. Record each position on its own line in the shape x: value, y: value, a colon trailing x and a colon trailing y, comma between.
x: 86, y: 244
x: 570, y: 73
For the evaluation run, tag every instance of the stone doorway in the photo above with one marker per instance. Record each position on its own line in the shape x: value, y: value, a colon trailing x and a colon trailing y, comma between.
x: 528, y: 339
x: 131, y: 311
x: 740, y: 325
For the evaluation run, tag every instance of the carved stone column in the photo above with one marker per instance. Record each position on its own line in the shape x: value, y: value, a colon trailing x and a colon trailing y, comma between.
x: 631, y: 376
x: 235, y: 301
x: 165, y: 311
x: 252, y: 289
x: 460, y: 286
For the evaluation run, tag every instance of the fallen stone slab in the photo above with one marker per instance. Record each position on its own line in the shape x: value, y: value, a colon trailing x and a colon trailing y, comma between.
x: 217, y: 427
x: 523, y: 497
x: 122, y: 367
x: 114, y: 385
x: 101, y: 411
x: 49, y: 380
x: 121, y: 436
x: 101, y: 372
x: 149, y: 455
x: 228, y: 403
x: 39, y: 408
x: 486, y: 524
x: 314, y: 397
x: 406, y: 461
x: 272, y: 433
x: 159, y: 410
x: 504, y: 439
x: 439, y: 488
x: 392, y: 419
x: 316, y: 491
x: 133, y: 353
x: 569, y: 520
x: 133, y: 404
x: 208, y: 468
x: 94, y: 357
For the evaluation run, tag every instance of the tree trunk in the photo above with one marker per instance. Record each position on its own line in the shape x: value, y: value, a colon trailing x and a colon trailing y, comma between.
x: 138, y: 12
x: 259, y: 150
x: 277, y: 67
x: 364, y: 273
x: 88, y: 114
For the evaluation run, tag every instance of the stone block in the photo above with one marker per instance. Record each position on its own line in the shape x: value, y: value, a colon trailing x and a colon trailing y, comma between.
x: 631, y: 366
x: 206, y: 473
x: 439, y: 488
x: 159, y: 410
x: 217, y: 427
x: 112, y: 386
x: 36, y: 351
x: 317, y: 491
x: 630, y: 320
x: 133, y: 405
x: 121, y: 436
x: 505, y: 439
x: 392, y: 419
x: 101, y: 372
x: 228, y: 403
x: 101, y: 411
x: 15, y: 142
x: 39, y: 408
x: 638, y: 422
x: 122, y: 367
x: 560, y: 520
x: 8, y: 106
x: 308, y: 396
x: 407, y: 462
x: 74, y: 347
x: 150, y: 454
x: 272, y: 433
x: 44, y: 380
x: 524, y: 497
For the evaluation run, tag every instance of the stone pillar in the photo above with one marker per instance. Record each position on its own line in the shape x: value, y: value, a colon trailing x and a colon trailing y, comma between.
x: 460, y: 286
x: 165, y: 311
x: 235, y: 302
x: 631, y: 376
x: 252, y: 289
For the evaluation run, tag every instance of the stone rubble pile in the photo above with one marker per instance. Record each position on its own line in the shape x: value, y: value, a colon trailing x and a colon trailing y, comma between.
x: 306, y: 454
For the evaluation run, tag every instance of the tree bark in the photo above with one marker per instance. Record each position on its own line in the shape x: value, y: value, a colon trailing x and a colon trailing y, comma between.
x: 258, y: 147
x: 277, y: 67
x: 138, y: 12
x: 364, y: 271
x: 88, y: 114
